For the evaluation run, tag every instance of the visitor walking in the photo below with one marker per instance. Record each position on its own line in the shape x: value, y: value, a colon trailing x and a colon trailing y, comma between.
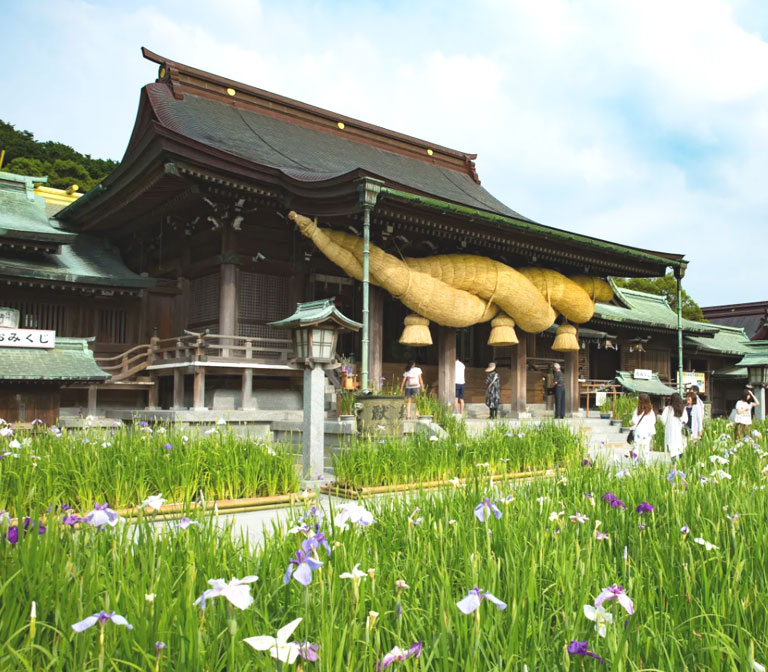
x: 743, y: 415
x: 674, y: 417
x: 412, y: 384
x: 643, y: 426
x: 558, y: 386
x: 695, y: 408
x: 492, y: 397
x: 458, y: 404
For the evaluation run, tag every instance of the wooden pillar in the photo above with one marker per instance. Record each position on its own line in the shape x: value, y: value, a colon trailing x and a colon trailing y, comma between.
x: 228, y: 299
x: 92, y: 396
x: 154, y: 392
x: 376, y: 336
x: 178, y: 388
x: 519, y: 377
x: 571, y: 382
x: 446, y: 365
x: 246, y: 394
x: 199, y: 389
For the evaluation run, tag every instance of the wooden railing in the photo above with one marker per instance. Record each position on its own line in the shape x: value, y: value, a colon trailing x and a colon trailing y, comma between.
x: 591, y: 386
x: 193, y: 347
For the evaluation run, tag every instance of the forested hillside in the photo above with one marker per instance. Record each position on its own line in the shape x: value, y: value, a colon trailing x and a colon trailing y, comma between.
x: 63, y: 165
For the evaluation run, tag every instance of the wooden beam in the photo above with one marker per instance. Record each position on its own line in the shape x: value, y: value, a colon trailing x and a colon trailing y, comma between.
x: 446, y: 365
x: 519, y: 377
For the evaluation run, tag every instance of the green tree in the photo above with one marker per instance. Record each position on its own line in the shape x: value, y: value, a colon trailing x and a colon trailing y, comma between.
x: 59, y: 162
x: 665, y: 286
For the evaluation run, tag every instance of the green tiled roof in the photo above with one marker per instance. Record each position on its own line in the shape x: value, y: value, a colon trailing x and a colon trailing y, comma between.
x: 71, y: 360
x: 22, y: 213
x: 314, y: 312
x: 758, y: 355
x: 86, y: 260
x: 642, y: 309
x: 653, y: 386
x: 725, y: 341
x: 732, y: 373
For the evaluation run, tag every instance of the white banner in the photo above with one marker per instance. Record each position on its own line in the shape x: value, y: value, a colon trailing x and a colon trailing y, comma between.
x: 27, y: 338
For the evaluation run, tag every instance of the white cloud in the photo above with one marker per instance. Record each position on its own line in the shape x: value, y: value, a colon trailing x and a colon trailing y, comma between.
x: 645, y: 122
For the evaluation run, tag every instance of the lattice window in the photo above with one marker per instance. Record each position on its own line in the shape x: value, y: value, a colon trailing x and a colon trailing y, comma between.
x: 112, y: 326
x: 261, y: 299
x: 204, y: 304
x: 34, y: 315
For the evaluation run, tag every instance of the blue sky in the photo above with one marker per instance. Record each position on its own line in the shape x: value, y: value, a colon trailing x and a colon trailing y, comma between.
x: 640, y: 121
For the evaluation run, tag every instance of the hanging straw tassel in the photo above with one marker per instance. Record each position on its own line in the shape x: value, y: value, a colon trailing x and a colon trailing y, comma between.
x: 416, y: 331
x: 502, y: 331
x: 566, y: 338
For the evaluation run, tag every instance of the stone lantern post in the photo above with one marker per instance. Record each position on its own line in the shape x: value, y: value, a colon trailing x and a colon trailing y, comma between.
x: 315, y: 326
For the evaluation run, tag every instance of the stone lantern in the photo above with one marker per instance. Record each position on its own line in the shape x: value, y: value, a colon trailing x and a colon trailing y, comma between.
x: 315, y: 326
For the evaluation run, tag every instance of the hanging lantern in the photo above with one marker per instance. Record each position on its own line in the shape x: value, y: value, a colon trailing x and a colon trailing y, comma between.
x: 502, y: 331
x: 566, y: 338
x: 416, y: 332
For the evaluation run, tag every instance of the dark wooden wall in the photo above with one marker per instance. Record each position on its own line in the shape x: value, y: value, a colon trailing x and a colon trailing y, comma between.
x: 24, y: 402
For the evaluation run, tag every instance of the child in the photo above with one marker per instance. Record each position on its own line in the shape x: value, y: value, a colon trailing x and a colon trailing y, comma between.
x: 411, y: 385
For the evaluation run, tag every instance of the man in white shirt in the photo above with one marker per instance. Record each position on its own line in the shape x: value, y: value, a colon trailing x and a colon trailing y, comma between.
x: 458, y: 405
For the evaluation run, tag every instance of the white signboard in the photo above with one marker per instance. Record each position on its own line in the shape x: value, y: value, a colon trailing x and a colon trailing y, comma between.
x: 600, y: 398
x: 27, y: 338
x: 9, y: 317
x: 642, y: 374
x: 694, y: 378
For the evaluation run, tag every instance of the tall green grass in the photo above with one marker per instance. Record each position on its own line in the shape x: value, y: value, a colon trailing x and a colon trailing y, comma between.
x: 371, y: 462
x: 695, y: 609
x: 123, y: 467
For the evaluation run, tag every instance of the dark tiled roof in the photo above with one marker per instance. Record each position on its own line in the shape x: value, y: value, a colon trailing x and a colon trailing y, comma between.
x: 307, y: 154
x: 70, y: 360
x: 749, y: 323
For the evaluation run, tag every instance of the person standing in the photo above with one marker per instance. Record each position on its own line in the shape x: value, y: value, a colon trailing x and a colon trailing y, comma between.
x: 644, y: 426
x: 492, y: 396
x: 558, y: 385
x: 674, y: 417
x: 695, y: 408
x: 458, y: 404
x: 743, y: 416
x: 412, y: 384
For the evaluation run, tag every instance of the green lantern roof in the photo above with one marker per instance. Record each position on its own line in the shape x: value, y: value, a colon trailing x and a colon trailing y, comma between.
x: 311, y: 313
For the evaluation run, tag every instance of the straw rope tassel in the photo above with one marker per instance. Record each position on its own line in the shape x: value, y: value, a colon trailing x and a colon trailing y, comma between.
x: 566, y: 338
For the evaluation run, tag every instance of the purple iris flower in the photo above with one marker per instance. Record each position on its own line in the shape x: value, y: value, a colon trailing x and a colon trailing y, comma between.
x: 313, y: 512
x: 159, y: 646
x: 313, y: 542
x: 13, y: 534
x: 644, y: 507
x: 301, y: 568
x: 475, y: 597
x: 633, y: 454
x: 308, y: 651
x: 482, y: 509
x: 589, y: 495
x: 685, y: 529
x: 143, y: 423
x: 168, y: 447
x: 397, y: 654
x: 609, y: 497
x: 102, y: 515
x: 101, y: 617
x: 576, y: 648
x: 618, y: 504
x: 186, y: 522
x: 72, y: 519
x: 65, y: 507
x: 587, y: 462
x: 675, y: 473
x: 641, y: 526
x: 617, y: 593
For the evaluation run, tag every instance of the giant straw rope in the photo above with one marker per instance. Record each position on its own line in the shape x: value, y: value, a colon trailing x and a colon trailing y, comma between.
x: 459, y: 290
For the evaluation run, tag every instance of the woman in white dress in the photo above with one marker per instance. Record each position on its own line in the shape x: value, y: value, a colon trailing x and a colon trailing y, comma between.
x: 695, y: 408
x: 743, y: 416
x: 674, y: 417
x: 644, y: 426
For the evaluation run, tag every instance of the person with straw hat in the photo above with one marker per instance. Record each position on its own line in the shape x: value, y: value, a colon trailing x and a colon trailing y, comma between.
x: 492, y: 396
